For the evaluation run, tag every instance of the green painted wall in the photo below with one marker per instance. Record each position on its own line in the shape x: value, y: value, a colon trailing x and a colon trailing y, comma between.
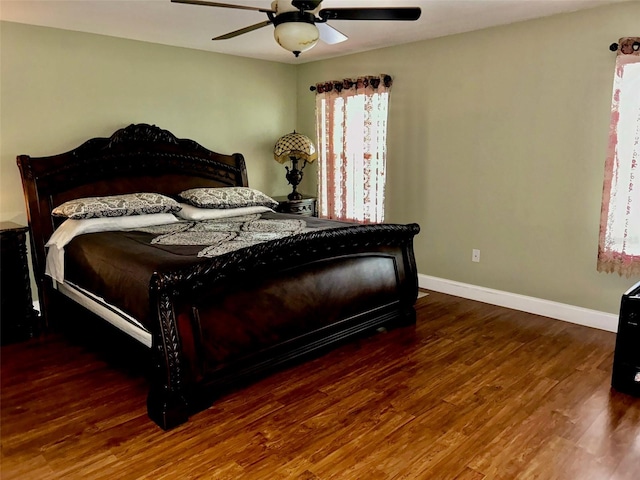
x: 59, y: 88
x: 497, y: 140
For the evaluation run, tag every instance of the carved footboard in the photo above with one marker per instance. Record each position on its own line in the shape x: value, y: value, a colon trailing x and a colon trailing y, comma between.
x: 228, y: 321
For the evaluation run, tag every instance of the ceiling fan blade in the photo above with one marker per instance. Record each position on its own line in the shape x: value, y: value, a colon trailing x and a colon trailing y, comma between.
x: 330, y: 35
x: 397, y: 13
x: 224, y: 5
x: 248, y: 29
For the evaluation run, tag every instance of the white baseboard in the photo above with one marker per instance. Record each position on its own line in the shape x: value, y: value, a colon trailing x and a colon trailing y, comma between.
x: 538, y: 306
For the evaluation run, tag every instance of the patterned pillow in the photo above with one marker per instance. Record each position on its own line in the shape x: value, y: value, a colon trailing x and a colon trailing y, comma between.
x: 116, y: 206
x: 227, y: 197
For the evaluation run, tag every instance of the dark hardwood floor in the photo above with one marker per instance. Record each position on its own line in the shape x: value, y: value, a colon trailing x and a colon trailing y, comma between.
x: 474, y: 391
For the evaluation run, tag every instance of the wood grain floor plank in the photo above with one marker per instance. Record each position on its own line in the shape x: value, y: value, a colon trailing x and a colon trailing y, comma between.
x: 472, y: 392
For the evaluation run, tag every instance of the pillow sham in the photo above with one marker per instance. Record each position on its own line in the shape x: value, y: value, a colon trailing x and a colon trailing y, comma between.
x: 194, y: 213
x: 227, y: 197
x: 116, y: 206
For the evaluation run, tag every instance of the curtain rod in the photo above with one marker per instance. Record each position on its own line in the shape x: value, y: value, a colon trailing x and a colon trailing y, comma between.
x: 635, y: 46
x: 348, y: 83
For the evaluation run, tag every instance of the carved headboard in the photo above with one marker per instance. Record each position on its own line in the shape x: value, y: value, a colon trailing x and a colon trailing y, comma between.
x: 138, y: 158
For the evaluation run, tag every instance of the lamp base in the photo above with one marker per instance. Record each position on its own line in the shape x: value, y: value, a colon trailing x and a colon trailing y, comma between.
x: 294, y: 177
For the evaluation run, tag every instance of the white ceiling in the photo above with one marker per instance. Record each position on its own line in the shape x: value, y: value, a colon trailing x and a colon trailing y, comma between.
x: 193, y: 26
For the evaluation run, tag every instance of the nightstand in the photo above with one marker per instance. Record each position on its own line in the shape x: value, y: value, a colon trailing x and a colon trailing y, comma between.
x: 306, y: 206
x: 18, y: 319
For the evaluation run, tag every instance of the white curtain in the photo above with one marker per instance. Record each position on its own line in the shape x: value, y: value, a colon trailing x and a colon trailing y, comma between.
x: 351, y: 120
x: 619, y: 246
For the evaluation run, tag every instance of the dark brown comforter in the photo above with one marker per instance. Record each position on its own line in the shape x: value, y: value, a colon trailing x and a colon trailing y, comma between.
x: 118, y: 266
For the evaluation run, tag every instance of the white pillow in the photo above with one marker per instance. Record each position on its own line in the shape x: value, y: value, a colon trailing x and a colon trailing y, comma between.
x: 54, y: 265
x: 72, y: 228
x: 194, y: 213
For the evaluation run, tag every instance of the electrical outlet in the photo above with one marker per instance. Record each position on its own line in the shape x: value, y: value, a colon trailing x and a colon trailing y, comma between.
x: 475, y: 255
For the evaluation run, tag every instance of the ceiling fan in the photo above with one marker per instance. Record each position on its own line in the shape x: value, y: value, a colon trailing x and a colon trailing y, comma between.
x: 300, y: 23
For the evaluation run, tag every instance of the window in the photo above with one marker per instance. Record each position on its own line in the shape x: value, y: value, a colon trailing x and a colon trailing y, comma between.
x: 619, y: 246
x: 351, y: 120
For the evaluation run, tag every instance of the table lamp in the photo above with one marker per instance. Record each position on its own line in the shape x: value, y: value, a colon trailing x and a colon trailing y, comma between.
x: 294, y: 147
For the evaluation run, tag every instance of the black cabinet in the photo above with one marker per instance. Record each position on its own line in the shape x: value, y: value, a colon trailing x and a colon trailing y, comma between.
x: 18, y: 319
x: 626, y: 361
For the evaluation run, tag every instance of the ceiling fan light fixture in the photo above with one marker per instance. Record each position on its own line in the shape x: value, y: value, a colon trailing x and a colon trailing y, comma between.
x: 295, y: 21
x: 296, y: 37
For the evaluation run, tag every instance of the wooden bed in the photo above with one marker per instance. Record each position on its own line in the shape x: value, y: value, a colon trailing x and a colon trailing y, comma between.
x: 291, y: 298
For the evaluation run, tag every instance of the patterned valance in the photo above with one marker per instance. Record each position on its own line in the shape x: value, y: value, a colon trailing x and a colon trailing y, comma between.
x: 626, y: 46
x: 373, y: 82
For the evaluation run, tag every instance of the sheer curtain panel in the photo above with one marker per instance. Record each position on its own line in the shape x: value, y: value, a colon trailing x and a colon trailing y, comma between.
x: 619, y: 245
x: 351, y: 121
